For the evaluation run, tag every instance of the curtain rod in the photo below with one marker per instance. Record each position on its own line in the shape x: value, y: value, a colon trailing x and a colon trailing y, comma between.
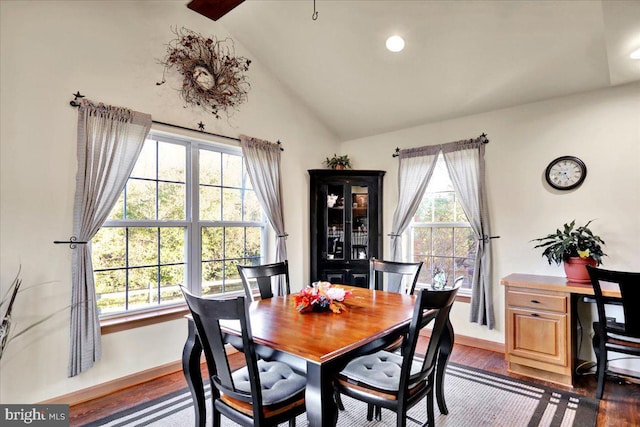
x: 482, y: 138
x: 200, y: 129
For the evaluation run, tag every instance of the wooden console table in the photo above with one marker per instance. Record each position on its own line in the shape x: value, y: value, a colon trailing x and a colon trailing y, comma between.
x: 541, y: 319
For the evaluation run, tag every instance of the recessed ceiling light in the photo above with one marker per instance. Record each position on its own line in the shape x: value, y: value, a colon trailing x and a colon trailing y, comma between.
x: 635, y: 54
x: 395, y: 43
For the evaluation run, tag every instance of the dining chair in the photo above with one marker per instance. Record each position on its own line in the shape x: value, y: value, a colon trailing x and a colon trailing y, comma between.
x: 261, y: 393
x: 262, y: 275
x: 609, y: 334
x: 393, y: 276
x: 399, y: 381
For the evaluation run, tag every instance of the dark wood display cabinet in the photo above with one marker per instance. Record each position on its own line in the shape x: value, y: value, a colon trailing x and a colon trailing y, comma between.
x: 345, y: 224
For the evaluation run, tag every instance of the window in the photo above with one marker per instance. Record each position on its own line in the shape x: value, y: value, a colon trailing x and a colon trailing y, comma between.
x: 440, y: 233
x: 187, y: 216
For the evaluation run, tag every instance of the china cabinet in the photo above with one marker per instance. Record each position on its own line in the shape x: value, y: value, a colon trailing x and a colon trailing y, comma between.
x: 345, y: 224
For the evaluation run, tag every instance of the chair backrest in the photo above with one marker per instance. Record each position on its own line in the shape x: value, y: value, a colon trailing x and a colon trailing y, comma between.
x: 629, y: 284
x: 394, y: 272
x: 430, y: 306
x: 207, y: 314
x: 262, y: 275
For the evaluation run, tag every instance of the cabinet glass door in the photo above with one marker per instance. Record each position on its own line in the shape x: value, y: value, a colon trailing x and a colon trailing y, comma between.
x: 359, y: 222
x: 335, y: 222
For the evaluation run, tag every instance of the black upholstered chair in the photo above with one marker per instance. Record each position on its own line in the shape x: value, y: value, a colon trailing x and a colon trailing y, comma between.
x: 262, y: 393
x: 392, y: 273
x: 262, y: 275
x: 614, y: 336
x: 399, y: 381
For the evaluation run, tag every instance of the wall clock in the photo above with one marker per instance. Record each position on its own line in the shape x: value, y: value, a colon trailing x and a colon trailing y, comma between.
x: 565, y: 173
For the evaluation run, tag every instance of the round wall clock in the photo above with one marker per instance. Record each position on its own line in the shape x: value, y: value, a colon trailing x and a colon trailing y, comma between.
x: 565, y: 173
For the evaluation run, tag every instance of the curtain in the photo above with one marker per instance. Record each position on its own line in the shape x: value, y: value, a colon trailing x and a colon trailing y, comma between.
x: 262, y: 159
x: 414, y: 172
x: 109, y: 142
x: 465, y: 162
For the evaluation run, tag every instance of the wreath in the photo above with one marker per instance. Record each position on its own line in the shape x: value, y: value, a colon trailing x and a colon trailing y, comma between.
x: 213, y: 76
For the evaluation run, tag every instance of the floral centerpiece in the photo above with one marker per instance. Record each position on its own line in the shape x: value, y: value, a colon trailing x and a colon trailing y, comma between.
x: 322, y: 296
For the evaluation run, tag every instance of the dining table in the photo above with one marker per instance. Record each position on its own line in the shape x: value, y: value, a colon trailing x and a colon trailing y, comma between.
x: 319, y: 344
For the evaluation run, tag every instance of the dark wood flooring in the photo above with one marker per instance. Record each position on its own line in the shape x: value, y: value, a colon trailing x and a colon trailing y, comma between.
x: 620, y: 406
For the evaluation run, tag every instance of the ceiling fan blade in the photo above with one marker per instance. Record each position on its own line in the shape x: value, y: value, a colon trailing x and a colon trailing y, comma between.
x: 213, y: 9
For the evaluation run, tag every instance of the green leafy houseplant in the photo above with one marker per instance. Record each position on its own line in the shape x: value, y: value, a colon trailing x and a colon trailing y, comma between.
x: 571, y: 241
x: 338, y: 162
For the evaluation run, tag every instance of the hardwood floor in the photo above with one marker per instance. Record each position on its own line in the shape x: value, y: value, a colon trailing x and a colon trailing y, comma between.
x: 620, y: 406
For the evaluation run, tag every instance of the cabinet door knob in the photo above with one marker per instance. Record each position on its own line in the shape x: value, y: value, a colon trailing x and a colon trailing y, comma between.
x: 535, y: 315
x: 535, y: 301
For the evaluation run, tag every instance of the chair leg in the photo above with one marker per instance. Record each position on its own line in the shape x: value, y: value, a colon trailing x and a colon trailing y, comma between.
x: 601, y: 371
x: 216, y: 417
x: 292, y: 422
x: 369, y: 412
x: 378, y: 413
x: 430, y: 411
x: 338, y: 400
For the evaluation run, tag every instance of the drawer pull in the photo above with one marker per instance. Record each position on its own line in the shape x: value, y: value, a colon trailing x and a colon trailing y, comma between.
x: 535, y: 315
x: 535, y: 301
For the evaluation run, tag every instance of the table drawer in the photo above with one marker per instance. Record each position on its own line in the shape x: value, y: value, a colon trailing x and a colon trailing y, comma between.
x: 537, y: 300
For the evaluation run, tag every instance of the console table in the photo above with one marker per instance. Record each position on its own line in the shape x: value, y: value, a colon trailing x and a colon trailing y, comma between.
x: 541, y: 319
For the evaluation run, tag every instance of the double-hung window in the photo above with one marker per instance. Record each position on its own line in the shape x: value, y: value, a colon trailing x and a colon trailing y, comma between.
x: 440, y: 233
x: 187, y: 216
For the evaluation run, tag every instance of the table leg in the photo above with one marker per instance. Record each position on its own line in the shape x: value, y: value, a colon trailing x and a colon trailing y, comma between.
x: 321, y: 408
x: 445, y: 346
x: 191, y: 368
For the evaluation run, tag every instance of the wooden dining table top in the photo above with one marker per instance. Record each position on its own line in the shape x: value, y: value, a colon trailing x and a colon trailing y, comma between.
x: 321, y: 337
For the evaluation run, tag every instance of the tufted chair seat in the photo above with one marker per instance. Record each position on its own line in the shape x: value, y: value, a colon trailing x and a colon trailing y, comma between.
x: 379, y: 370
x: 277, y: 380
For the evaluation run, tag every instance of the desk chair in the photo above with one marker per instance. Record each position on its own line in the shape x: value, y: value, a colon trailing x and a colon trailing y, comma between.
x: 399, y: 381
x: 262, y: 393
x: 614, y: 336
x: 262, y: 275
x: 394, y: 273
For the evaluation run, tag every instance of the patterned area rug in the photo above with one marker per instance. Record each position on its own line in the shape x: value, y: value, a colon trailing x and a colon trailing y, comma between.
x: 474, y: 398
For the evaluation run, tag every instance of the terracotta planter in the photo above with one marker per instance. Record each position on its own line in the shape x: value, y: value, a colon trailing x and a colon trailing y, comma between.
x: 339, y: 167
x: 576, y: 269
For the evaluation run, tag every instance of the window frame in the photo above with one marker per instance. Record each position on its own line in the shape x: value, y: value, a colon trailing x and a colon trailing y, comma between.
x: 192, y: 225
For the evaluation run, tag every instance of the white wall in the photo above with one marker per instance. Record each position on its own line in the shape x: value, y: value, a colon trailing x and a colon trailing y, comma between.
x: 602, y: 128
x: 109, y: 52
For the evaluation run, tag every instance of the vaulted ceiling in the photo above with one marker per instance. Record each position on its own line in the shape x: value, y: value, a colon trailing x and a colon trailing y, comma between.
x: 461, y: 57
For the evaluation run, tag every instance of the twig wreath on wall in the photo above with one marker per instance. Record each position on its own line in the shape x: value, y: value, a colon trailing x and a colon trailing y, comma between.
x: 213, y: 77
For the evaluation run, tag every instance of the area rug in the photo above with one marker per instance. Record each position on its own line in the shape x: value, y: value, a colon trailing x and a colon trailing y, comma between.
x: 474, y: 398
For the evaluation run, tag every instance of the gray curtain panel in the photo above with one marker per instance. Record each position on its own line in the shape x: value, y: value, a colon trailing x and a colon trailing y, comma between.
x: 109, y: 142
x: 465, y: 162
x: 262, y: 159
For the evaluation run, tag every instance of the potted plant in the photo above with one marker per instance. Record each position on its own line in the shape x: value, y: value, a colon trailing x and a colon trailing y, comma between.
x: 574, y: 246
x: 338, y: 162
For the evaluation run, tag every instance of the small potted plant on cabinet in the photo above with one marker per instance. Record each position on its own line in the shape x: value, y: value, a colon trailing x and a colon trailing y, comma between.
x: 338, y: 162
x: 576, y: 247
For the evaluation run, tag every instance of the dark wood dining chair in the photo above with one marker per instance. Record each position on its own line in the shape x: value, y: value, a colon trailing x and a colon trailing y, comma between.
x: 614, y: 336
x: 263, y: 275
x: 399, y: 381
x: 393, y: 273
x: 262, y: 393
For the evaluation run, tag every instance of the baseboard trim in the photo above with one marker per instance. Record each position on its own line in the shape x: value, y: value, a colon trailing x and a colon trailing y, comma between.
x: 101, y: 390
x: 113, y: 386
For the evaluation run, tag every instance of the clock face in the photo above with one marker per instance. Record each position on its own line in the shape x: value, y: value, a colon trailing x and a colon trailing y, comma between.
x: 566, y: 173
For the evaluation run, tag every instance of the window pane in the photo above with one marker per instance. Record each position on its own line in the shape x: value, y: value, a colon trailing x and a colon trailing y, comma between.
x: 464, y: 268
x: 446, y: 265
x: 110, y: 290
x: 146, y: 163
x: 443, y: 241
x: 252, y: 209
x: 210, y: 172
x: 108, y: 248
x: 141, y: 199
x: 232, y: 277
x: 460, y: 215
x: 465, y: 242
x: 212, y: 245
x: 253, y: 244
x: 143, y: 287
x: 171, y: 162
x: 117, y: 212
x: 171, y: 276
x: 425, y: 210
x: 212, y: 277
x: 234, y: 242
x: 422, y: 241
x: 231, y: 170
x: 232, y: 205
x: 210, y: 204
x: 172, y: 243
x: 143, y: 246
x: 171, y: 201
x: 443, y: 207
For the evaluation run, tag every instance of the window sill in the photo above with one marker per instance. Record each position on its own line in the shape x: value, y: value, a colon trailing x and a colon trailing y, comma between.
x: 137, y: 320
